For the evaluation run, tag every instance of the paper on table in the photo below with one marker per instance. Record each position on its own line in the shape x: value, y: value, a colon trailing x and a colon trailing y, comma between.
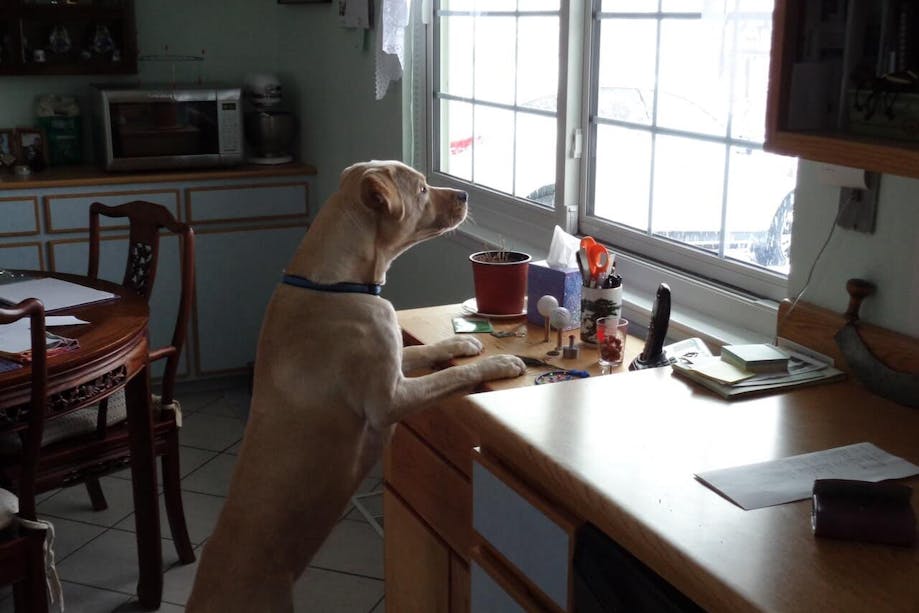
x: 54, y: 293
x: 788, y: 479
x: 63, y: 320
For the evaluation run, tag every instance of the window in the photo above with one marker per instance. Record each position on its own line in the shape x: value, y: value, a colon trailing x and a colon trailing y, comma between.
x: 669, y: 96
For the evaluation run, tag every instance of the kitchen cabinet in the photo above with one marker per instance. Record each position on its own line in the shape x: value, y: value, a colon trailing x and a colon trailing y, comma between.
x: 843, y: 87
x: 60, y: 37
x: 247, y: 221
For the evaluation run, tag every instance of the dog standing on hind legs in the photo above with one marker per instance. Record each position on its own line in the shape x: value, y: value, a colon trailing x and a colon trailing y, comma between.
x: 329, y: 386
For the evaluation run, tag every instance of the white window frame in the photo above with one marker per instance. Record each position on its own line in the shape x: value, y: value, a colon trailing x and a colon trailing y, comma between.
x: 716, y: 311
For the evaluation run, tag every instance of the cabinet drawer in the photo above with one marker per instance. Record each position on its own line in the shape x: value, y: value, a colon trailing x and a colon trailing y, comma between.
x: 432, y: 488
x: 70, y: 212
x: 446, y: 434
x: 19, y: 215
x: 495, y: 590
x: 535, y: 538
x: 248, y: 203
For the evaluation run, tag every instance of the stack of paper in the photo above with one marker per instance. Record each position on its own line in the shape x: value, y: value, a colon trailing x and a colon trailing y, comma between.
x: 728, y: 381
x: 16, y: 341
x: 55, y: 294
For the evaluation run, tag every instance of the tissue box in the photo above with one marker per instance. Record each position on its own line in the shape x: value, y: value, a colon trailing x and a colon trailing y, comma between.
x: 565, y: 284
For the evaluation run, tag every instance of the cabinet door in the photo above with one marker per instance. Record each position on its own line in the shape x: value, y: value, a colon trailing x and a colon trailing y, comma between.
x: 417, y: 565
x: 236, y: 273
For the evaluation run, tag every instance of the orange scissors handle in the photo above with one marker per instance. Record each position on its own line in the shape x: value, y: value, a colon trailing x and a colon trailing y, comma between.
x: 598, y: 261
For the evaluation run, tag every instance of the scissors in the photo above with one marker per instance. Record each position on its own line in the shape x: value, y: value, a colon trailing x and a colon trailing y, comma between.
x: 584, y: 259
x: 598, y: 261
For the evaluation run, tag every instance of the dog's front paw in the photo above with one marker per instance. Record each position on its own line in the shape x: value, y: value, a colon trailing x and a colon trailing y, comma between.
x: 461, y: 346
x: 501, y: 367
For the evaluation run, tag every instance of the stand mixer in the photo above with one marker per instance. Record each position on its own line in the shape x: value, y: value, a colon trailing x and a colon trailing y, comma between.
x: 269, y: 128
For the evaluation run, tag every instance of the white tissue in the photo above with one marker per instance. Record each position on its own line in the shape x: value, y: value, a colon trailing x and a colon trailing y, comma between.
x: 563, y: 252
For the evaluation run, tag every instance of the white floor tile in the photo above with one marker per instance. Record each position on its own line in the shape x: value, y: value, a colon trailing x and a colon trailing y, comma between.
x: 213, y: 477
x: 201, y: 512
x: 190, y: 458
x: 73, y: 503
x: 71, y: 535
x: 178, y: 581
x: 110, y: 562
x: 352, y: 547
x: 211, y: 431
x: 320, y: 590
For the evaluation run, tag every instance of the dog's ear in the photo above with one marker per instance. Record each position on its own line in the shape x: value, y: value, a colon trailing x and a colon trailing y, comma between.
x: 379, y: 192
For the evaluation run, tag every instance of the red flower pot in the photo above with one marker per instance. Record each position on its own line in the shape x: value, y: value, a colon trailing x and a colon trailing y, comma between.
x: 500, y: 279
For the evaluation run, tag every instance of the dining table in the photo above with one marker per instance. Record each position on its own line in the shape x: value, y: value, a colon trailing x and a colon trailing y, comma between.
x: 112, y: 354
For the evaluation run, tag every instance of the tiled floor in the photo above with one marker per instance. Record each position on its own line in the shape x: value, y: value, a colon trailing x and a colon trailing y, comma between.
x: 96, y: 551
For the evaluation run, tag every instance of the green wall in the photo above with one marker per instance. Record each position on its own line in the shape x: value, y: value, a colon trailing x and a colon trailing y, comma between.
x: 327, y: 72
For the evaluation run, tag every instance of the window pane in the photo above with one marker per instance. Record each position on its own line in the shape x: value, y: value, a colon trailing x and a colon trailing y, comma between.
x: 760, y: 207
x: 457, y: 5
x: 685, y: 6
x: 493, y: 165
x: 538, y: 5
x: 693, y: 76
x: 537, y: 62
x: 629, y: 6
x: 623, y: 176
x: 688, y: 188
x: 535, y: 170
x: 496, y: 5
x: 753, y: 38
x: 494, y: 59
x: 626, y: 79
x: 456, y: 56
x: 456, y: 139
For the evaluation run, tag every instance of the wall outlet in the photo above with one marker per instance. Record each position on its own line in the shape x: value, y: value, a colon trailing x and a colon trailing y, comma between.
x: 858, y: 207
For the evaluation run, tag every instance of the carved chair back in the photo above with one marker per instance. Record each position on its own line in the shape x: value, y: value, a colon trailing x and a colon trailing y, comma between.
x: 147, y: 219
x: 29, y: 426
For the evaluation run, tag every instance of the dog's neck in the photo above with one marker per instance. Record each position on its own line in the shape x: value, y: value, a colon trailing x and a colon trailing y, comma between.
x: 339, y: 249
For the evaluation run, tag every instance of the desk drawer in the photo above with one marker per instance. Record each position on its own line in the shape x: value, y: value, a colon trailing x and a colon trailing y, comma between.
x: 536, y: 539
x: 433, y: 488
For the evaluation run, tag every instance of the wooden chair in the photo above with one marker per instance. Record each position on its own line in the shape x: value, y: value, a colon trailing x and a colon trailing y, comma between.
x: 82, y: 445
x: 146, y: 220
x: 22, y: 561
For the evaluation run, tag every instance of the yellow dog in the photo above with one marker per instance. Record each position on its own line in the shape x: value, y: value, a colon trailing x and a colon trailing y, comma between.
x: 329, y: 386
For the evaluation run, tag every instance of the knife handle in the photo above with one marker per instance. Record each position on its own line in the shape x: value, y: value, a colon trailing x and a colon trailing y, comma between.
x: 858, y: 290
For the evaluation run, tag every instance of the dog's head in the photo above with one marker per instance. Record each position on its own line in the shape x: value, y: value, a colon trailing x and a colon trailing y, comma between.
x: 407, y: 210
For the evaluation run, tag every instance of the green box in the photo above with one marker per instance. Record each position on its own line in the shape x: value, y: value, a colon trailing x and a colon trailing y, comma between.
x: 64, y: 137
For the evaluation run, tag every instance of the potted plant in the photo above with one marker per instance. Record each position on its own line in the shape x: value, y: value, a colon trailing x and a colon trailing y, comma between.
x: 500, y: 278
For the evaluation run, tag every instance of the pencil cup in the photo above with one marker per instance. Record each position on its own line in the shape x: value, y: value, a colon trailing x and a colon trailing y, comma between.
x: 597, y: 303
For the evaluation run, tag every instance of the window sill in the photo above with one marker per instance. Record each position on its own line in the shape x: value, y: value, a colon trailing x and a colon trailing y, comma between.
x: 714, y: 314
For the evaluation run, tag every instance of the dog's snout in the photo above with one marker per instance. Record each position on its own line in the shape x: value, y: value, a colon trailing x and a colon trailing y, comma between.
x: 462, y: 196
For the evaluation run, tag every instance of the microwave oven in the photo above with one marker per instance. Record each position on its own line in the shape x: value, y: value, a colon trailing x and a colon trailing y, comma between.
x: 153, y: 127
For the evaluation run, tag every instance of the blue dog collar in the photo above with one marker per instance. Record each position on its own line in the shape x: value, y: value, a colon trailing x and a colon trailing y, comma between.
x: 373, y: 289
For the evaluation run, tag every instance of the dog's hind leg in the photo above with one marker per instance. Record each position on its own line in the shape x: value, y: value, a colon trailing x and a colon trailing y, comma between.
x: 416, y: 357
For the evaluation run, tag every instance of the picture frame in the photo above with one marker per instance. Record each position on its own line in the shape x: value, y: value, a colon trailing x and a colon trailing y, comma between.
x: 31, y: 148
x: 7, y: 143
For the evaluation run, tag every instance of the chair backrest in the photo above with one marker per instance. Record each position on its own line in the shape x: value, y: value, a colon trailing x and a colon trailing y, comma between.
x: 33, y: 421
x: 147, y: 219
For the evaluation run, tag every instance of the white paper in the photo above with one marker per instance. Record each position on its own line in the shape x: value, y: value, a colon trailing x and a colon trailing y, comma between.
x: 15, y: 337
x: 769, y: 483
x: 63, y: 320
x: 54, y: 293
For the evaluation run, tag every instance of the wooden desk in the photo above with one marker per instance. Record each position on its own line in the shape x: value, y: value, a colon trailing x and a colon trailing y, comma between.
x: 619, y: 452
x: 112, y: 354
